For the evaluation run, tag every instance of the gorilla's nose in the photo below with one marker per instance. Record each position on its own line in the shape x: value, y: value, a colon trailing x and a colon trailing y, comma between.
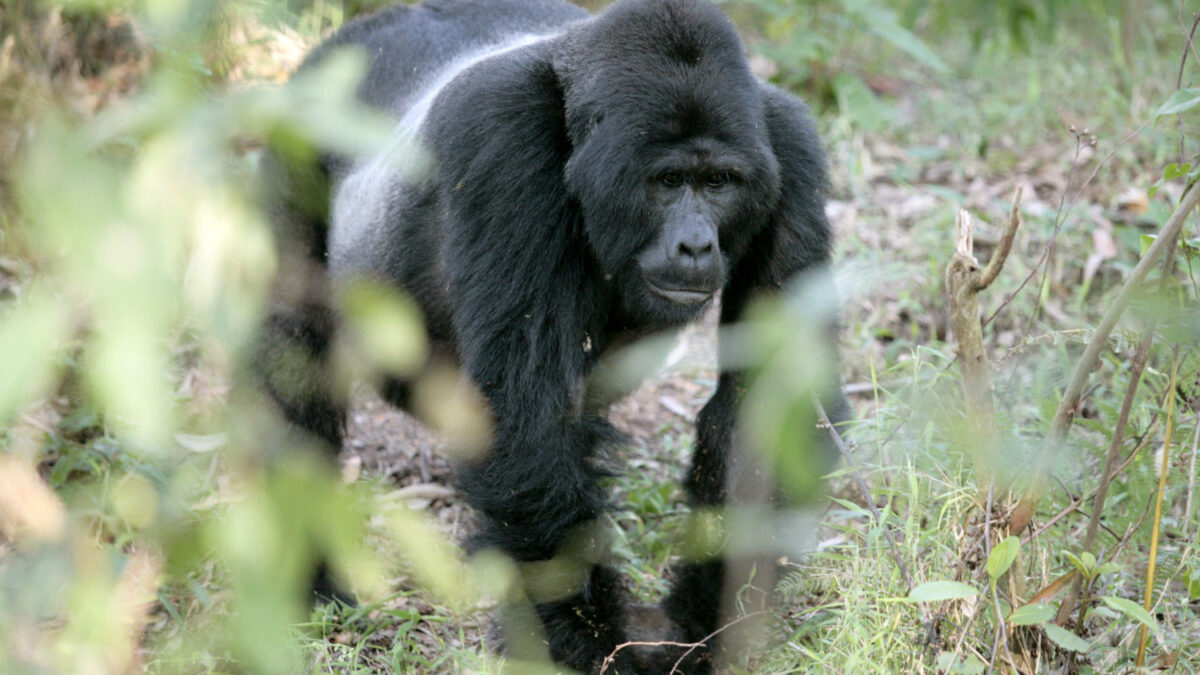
x: 693, y: 247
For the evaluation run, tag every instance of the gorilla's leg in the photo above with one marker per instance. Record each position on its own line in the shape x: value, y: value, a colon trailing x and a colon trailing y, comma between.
x: 294, y: 363
x: 695, y: 600
x: 293, y: 360
x: 698, y: 596
x: 539, y: 502
x: 294, y: 355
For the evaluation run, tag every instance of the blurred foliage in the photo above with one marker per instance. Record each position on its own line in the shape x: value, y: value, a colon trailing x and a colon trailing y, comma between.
x: 856, y: 55
x: 142, y: 265
x: 1017, y: 21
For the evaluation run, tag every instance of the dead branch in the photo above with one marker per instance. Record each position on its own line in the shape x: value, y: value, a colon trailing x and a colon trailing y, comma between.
x: 691, y: 646
x: 964, y: 281
x: 1004, y: 247
x: 1187, y: 508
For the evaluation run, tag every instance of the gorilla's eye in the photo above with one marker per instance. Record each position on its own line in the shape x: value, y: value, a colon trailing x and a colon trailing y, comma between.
x: 672, y: 179
x: 717, y: 179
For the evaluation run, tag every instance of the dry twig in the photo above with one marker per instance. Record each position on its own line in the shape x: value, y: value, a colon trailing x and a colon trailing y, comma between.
x: 1187, y: 508
x: 692, y: 646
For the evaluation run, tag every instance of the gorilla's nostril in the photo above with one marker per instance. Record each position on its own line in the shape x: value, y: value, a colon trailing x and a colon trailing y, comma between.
x: 694, y: 250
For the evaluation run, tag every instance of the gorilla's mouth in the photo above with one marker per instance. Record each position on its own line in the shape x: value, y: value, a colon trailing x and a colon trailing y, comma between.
x: 682, y: 296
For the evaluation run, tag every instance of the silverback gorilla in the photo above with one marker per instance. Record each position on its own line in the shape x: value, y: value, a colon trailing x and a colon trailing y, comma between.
x: 583, y: 180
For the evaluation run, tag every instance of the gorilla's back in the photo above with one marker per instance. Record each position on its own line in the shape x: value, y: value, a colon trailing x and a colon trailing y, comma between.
x: 384, y: 207
x: 406, y: 45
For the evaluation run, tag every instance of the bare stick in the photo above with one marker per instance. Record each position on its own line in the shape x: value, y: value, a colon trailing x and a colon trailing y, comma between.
x: 642, y: 643
x: 1179, y: 79
x: 1059, y: 427
x: 1191, y: 46
x: 1005, y: 246
x: 668, y: 643
x: 722, y: 629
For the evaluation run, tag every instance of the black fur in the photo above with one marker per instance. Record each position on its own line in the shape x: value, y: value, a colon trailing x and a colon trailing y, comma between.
x: 595, y: 185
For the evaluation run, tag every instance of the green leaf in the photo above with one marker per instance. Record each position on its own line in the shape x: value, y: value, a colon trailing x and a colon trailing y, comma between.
x: 1193, y: 584
x: 1081, y: 565
x: 933, y: 591
x: 1108, y: 568
x: 1147, y: 241
x: 1066, y: 639
x: 1002, y: 557
x: 1170, y: 172
x: 852, y: 507
x: 1031, y: 614
x: 1130, y: 609
x: 1182, y: 100
x: 1175, y: 170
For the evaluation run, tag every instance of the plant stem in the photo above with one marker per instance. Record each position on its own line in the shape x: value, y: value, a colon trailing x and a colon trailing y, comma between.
x: 1156, y: 525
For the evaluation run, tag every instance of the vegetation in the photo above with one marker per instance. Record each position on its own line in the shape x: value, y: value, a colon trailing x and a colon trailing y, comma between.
x: 153, y: 515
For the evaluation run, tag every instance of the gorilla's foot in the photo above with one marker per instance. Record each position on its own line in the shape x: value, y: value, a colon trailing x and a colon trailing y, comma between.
x: 660, y: 646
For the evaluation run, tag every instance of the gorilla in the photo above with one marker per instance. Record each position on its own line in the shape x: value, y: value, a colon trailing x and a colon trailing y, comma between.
x: 557, y: 184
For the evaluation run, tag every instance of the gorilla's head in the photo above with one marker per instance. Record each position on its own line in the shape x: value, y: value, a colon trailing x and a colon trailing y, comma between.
x: 671, y: 163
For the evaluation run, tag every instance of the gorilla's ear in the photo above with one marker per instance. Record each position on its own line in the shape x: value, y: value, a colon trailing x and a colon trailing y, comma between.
x: 504, y: 145
x: 596, y: 157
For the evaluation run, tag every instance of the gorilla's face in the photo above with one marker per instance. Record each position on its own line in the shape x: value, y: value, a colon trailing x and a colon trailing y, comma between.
x: 670, y: 162
x: 684, y: 264
x: 700, y: 200
x: 667, y: 217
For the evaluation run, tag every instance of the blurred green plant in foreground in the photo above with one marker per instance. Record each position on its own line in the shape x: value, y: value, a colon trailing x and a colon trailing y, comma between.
x: 153, y: 266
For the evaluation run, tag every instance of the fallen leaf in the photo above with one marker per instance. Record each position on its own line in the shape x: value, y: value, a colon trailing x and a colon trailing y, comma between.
x: 1133, y: 200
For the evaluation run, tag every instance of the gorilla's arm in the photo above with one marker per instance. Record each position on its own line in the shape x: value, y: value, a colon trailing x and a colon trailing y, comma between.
x: 525, y: 301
